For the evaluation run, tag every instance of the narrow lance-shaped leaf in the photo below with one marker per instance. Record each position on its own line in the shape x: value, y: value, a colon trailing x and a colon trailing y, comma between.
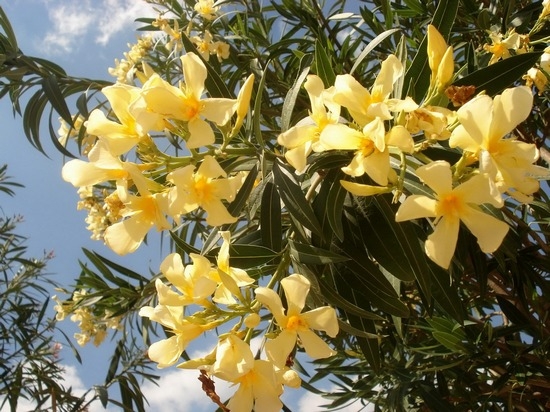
x: 270, y: 218
x: 290, y: 99
x: 294, y: 199
x: 496, y: 77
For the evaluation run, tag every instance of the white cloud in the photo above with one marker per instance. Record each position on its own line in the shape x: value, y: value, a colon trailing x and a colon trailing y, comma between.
x: 72, y: 20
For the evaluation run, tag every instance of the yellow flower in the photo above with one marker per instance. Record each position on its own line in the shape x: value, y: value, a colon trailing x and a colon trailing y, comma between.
x: 185, y: 104
x: 432, y: 120
x: 259, y: 387
x: 295, y: 324
x: 192, y: 281
x: 238, y: 277
x: 500, y: 48
x: 206, y: 9
x: 203, y: 45
x: 243, y: 103
x: 121, y: 137
x: 509, y: 162
x: 302, y: 139
x: 168, y: 351
x: 451, y: 206
x: 363, y: 105
x: 102, y: 167
x: 371, y: 145
x: 140, y: 213
x: 440, y: 59
x: 205, y: 188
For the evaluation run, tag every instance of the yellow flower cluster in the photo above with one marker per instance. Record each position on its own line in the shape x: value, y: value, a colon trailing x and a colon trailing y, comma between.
x: 205, y: 288
x: 140, y: 202
x: 125, y: 68
x: 380, y: 136
x: 91, y: 327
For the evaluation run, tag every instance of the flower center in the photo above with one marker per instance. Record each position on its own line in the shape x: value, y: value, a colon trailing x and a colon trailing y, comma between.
x: 450, y: 205
x: 203, y: 189
x: 296, y: 322
x: 191, y: 108
x: 366, y: 147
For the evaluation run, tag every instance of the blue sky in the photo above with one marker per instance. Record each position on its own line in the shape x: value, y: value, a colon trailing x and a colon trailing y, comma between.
x: 84, y: 37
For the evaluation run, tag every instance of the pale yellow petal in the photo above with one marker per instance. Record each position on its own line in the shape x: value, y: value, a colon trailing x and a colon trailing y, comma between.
x: 266, y: 388
x: 390, y: 71
x: 217, y: 213
x: 476, y: 116
x: 446, y: 68
x: 437, y: 175
x: 271, y: 300
x: 200, y: 133
x: 242, y: 399
x: 126, y: 236
x: 120, y: 97
x: 278, y: 349
x: 356, y: 166
x: 323, y: 319
x: 218, y: 110
x: 488, y: 230
x: 461, y: 138
x: 315, y: 347
x: 172, y: 268
x: 400, y: 137
x: 166, y: 101
x: 510, y: 109
x: 359, y: 189
x: 377, y: 166
x: 440, y: 245
x: 478, y: 190
x: 297, y: 156
x: 342, y: 137
x: 296, y: 288
x: 415, y: 207
x: 211, y: 168
x: 166, y: 352
x: 349, y: 93
x: 436, y: 47
x: 194, y: 73
x: 297, y: 135
x: 233, y: 359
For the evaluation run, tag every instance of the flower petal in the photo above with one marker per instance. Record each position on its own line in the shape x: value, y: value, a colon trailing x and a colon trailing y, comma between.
x: 296, y: 288
x: 194, y: 73
x: 478, y: 190
x: 279, y: 348
x: 126, y: 236
x: 200, y: 133
x: 510, y: 109
x: 415, y: 207
x: 324, y: 319
x: 315, y: 347
x: 440, y: 245
x: 166, y: 352
x: 272, y: 301
x: 476, y: 116
x: 488, y: 230
x: 437, y: 175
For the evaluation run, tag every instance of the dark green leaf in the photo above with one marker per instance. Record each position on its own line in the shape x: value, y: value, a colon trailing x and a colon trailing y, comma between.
x: 50, y: 85
x: 495, y: 78
x: 290, y: 99
x: 294, y: 199
x: 417, y: 78
x: 324, y: 65
x: 307, y: 254
x: 270, y: 218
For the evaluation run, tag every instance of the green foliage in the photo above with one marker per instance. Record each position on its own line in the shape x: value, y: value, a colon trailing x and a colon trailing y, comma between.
x: 415, y: 336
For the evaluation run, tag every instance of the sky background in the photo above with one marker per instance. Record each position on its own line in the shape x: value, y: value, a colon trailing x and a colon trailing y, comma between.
x: 84, y: 37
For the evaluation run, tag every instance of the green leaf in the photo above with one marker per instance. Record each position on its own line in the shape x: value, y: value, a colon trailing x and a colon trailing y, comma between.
x: 53, y: 92
x: 372, y: 283
x: 417, y: 78
x: 294, y: 199
x: 497, y: 77
x: 445, y: 293
x: 247, y: 256
x: 307, y: 254
x: 235, y: 207
x: 8, y: 29
x: 270, y: 218
x: 290, y: 99
x: 370, y: 47
x: 323, y: 64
